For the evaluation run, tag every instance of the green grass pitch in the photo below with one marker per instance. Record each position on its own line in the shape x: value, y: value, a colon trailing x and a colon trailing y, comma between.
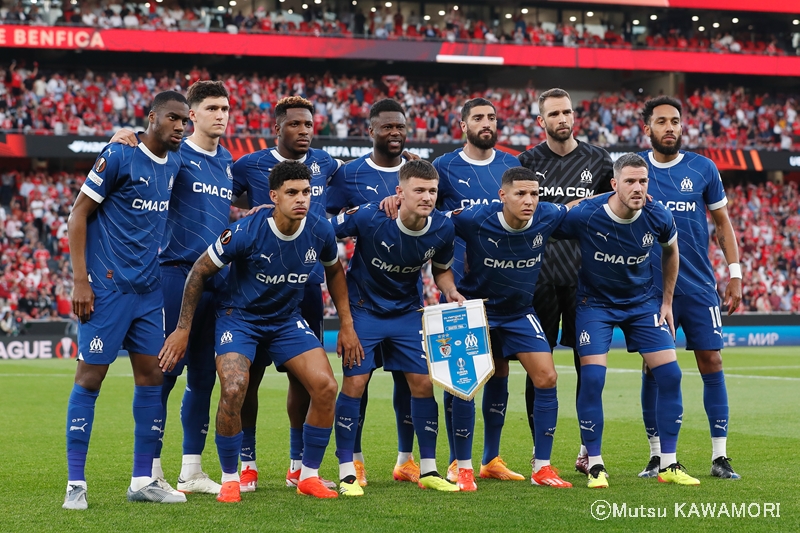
x: 763, y: 385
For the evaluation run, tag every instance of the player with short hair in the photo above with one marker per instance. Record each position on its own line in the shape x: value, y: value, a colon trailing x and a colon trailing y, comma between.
x: 617, y: 234
x: 271, y: 255
x: 568, y: 169
x: 115, y: 231
x: 688, y: 183
x: 371, y: 178
x: 385, y: 297
x: 294, y: 129
x: 473, y: 175
x: 505, y: 246
x: 199, y: 212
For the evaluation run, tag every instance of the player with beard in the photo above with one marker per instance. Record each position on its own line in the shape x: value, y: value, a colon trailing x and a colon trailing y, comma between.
x: 568, y: 170
x: 371, y: 178
x: 687, y: 184
x: 294, y: 128
x: 468, y: 176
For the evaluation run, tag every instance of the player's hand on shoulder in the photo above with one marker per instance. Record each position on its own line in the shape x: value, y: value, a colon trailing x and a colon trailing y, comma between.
x: 389, y: 205
x: 174, y: 348
x: 82, y: 300
x: 348, y: 347
x: 126, y: 137
x: 408, y: 156
x: 258, y: 208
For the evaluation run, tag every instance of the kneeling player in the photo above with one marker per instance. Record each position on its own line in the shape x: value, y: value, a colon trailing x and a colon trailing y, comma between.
x: 385, y: 293
x: 271, y: 255
x: 616, y: 234
x: 505, y: 245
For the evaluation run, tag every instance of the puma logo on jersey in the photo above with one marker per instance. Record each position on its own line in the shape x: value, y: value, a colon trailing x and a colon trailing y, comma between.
x: 543, y: 174
x: 387, y: 246
x: 465, y: 182
x: 268, y: 257
x: 238, y: 229
x: 605, y: 237
x: 495, y: 242
x: 145, y: 181
x: 195, y: 163
x: 373, y: 189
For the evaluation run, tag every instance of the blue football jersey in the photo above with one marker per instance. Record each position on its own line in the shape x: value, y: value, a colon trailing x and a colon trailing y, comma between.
x: 124, y: 235
x: 616, y: 258
x: 361, y: 181
x: 384, y: 273
x: 269, y: 270
x: 503, y: 263
x: 251, y: 175
x: 199, y: 209
x: 687, y: 186
x: 464, y: 182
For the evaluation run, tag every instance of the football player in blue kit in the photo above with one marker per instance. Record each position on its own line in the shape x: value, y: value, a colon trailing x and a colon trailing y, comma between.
x: 505, y: 244
x: 688, y: 183
x: 473, y: 175
x: 271, y: 255
x: 616, y: 234
x: 199, y: 211
x: 385, y: 289
x: 115, y: 231
x: 294, y: 128
x: 371, y: 178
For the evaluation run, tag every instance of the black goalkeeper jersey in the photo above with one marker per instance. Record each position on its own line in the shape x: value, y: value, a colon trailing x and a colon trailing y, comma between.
x: 586, y: 171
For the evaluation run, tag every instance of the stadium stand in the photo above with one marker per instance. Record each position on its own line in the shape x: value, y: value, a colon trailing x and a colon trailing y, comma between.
x: 98, y: 103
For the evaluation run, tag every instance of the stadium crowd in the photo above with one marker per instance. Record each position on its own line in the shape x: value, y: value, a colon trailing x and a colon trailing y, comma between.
x: 88, y: 103
x: 36, y: 279
x: 519, y: 27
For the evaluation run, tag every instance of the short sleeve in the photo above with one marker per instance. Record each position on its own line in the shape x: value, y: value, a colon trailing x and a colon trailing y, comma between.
x: 105, y: 174
x: 668, y: 232
x: 570, y: 225
x: 235, y: 241
x: 239, y: 171
x: 330, y: 251
x: 714, y: 193
x: 347, y: 223
x: 336, y: 198
x: 443, y: 258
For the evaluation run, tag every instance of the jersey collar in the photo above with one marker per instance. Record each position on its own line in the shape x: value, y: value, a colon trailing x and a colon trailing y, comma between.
x: 151, y: 155
x: 280, y: 158
x: 281, y: 236
x: 618, y: 220
x: 374, y: 165
x: 196, y: 148
x: 482, y: 163
x: 664, y: 165
x: 413, y: 233
x: 509, y: 228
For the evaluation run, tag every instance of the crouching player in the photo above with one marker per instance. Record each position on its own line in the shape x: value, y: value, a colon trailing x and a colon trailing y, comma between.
x: 616, y: 235
x: 505, y: 245
x: 385, y: 294
x: 271, y: 255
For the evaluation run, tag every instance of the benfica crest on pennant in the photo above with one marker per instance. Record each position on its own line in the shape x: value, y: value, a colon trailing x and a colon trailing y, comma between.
x: 456, y: 340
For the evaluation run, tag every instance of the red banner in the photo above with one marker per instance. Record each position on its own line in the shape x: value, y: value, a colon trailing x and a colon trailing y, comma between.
x: 391, y: 50
x: 774, y: 6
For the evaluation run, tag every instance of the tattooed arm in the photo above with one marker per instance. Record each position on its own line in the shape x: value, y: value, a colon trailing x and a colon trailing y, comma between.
x: 730, y: 248
x: 175, y: 345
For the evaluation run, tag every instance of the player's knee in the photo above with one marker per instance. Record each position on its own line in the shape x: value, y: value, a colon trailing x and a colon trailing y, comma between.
x: 593, y: 378
x: 546, y: 379
x: 325, y: 392
x: 708, y: 361
x: 668, y: 377
x: 233, y: 388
